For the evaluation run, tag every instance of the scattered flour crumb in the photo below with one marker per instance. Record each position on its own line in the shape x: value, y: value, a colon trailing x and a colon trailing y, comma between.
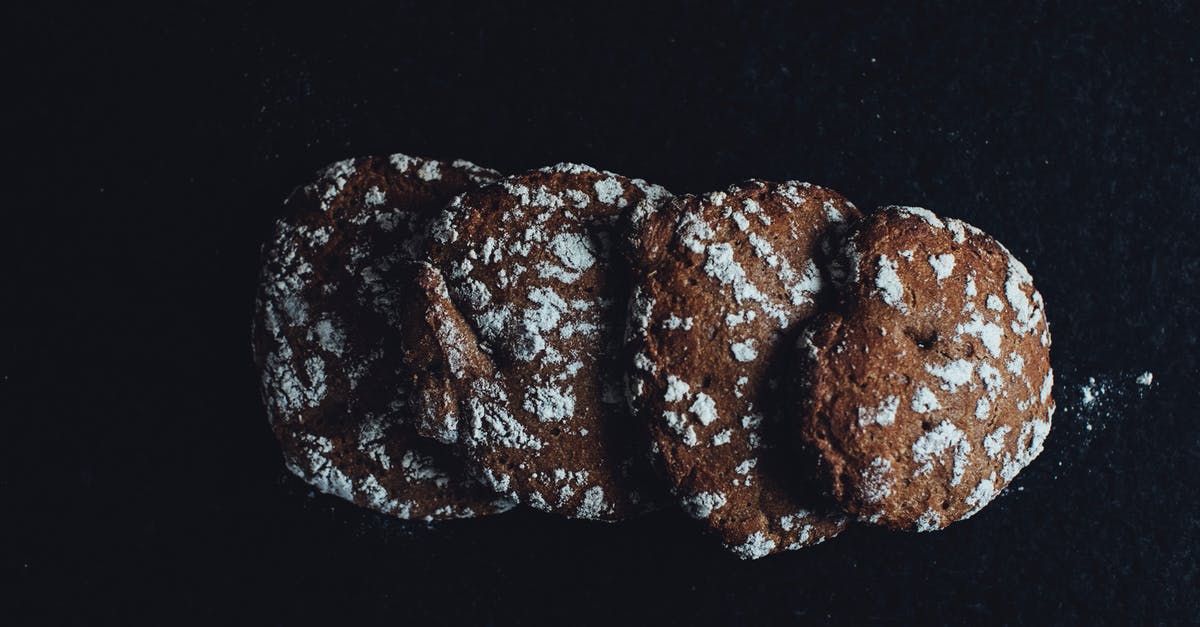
x: 675, y: 322
x: 374, y: 197
x: 704, y: 408
x: 943, y: 265
x: 877, y: 481
x: 953, y: 374
x: 593, y: 503
x: 703, y: 504
x: 884, y: 414
x: 744, y: 351
x: 924, y: 401
x: 756, y: 546
x: 888, y: 283
x: 1091, y: 391
x: 429, y: 171
x: 677, y: 389
x: 929, y: 521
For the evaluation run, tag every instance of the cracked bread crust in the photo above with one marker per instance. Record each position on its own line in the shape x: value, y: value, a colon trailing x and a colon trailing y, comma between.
x: 326, y: 337
x: 529, y: 304
x: 723, y: 283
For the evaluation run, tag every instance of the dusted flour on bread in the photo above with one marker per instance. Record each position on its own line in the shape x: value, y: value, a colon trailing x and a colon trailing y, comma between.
x: 722, y: 284
x: 327, y: 337
x: 929, y: 388
x: 525, y: 376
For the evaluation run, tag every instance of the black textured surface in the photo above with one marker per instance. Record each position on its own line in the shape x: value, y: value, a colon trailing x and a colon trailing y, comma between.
x: 139, y: 475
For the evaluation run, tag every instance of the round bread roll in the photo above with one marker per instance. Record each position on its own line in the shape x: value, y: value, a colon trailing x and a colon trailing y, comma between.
x: 929, y: 388
x: 327, y: 338
x: 723, y: 283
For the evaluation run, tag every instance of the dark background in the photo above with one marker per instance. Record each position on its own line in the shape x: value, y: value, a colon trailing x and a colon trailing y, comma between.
x: 152, y: 149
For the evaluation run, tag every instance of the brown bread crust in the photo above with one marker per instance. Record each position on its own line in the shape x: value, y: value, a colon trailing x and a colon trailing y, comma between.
x: 929, y: 389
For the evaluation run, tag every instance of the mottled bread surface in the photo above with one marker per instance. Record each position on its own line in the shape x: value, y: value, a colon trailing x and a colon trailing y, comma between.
x: 929, y: 388
x: 327, y: 341
x: 723, y: 283
x: 525, y: 376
